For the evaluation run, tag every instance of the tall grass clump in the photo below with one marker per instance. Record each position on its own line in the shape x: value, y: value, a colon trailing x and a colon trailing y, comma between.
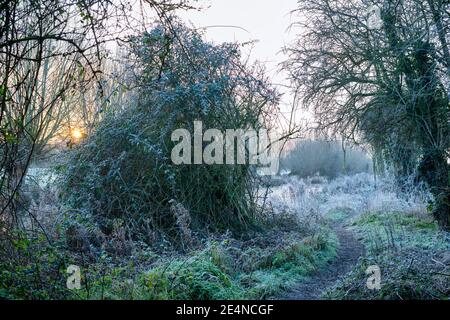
x: 123, y: 176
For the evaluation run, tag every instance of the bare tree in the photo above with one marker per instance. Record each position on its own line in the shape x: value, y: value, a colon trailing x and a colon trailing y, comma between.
x: 387, y: 84
x: 51, y: 51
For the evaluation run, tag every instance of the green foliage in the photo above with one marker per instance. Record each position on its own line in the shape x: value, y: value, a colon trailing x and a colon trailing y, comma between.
x: 33, y: 270
x: 200, y: 279
x: 261, y: 272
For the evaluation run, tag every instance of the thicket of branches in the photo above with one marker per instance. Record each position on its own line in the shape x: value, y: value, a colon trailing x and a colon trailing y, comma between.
x: 52, y: 69
x: 388, y: 85
x: 124, y: 175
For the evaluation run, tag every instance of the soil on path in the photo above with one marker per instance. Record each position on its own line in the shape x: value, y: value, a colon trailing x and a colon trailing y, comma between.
x: 348, y: 253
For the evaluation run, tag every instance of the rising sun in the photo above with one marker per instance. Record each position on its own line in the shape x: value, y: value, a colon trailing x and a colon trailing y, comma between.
x: 76, y: 133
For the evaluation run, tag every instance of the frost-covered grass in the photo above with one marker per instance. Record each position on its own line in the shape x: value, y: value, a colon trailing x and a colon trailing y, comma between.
x: 256, y: 266
x: 393, y: 231
x: 395, y: 227
x: 355, y: 194
x: 226, y: 269
x: 393, y: 223
x: 400, y: 237
x: 222, y: 268
x: 412, y: 253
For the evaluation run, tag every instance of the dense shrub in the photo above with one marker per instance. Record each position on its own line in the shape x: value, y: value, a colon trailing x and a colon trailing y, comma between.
x: 123, y: 175
x: 311, y: 157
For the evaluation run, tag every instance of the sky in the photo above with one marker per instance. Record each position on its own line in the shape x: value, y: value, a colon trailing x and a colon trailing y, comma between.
x: 264, y: 21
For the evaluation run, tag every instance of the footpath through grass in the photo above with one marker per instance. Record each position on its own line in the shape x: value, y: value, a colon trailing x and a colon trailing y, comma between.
x: 224, y: 269
x: 412, y: 253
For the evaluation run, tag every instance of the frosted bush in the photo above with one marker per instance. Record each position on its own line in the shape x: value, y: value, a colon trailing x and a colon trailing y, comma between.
x: 124, y: 172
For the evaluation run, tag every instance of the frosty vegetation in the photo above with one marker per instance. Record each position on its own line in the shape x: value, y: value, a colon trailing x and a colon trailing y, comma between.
x: 91, y: 94
x: 325, y: 158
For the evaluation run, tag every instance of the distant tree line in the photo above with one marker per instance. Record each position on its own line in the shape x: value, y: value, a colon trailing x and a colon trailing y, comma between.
x: 325, y: 158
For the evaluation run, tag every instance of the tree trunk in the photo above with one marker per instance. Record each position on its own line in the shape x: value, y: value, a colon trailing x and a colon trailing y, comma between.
x: 434, y: 170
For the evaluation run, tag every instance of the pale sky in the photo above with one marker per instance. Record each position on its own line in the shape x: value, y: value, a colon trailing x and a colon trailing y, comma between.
x: 266, y: 21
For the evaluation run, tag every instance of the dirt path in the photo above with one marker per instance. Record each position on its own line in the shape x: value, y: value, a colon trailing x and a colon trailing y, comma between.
x: 348, y: 253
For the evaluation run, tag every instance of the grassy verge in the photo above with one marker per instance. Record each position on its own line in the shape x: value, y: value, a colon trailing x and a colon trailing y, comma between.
x: 412, y: 255
x: 225, y: 269
x: 221, y: 268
